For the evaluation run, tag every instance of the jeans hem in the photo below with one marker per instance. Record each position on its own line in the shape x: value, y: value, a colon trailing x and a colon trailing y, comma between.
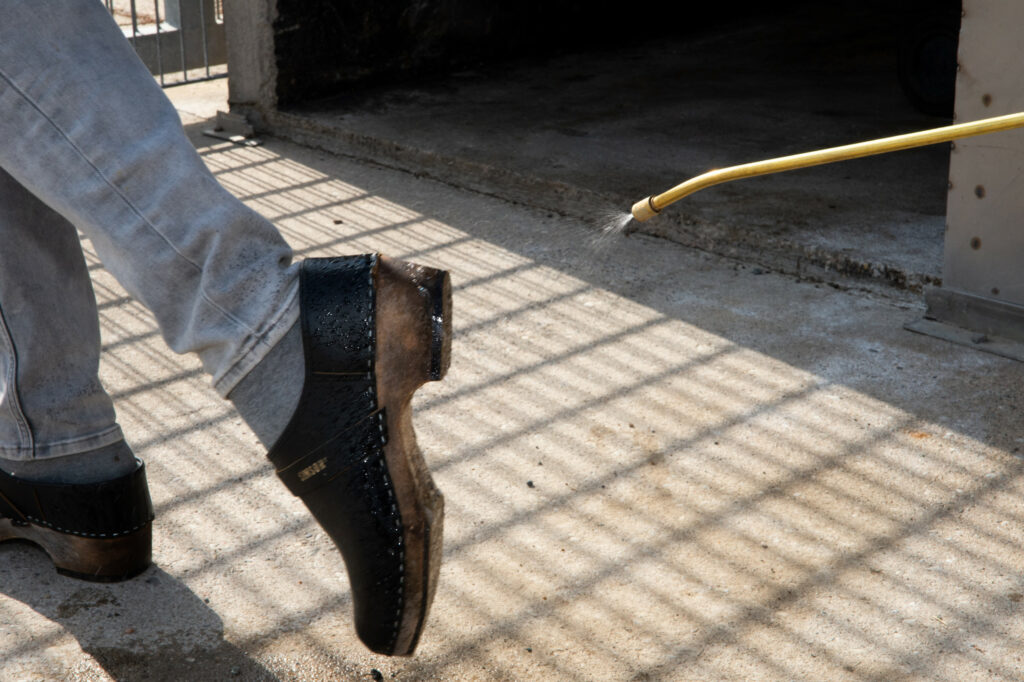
x: 256, y: 348
x: 63, y: 448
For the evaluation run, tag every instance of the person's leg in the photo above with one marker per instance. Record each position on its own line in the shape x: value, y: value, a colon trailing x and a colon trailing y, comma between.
x: 86, y: 129
x: 68, y: 481
x: 52, y: 407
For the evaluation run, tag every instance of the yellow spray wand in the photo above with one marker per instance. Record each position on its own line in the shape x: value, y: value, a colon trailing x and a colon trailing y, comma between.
x: 649, y: 207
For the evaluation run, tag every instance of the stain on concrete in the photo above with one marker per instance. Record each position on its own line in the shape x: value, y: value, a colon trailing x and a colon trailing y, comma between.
x: 85, y: 599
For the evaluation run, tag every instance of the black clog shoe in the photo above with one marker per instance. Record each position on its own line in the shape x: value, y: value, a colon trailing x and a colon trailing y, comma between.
x: 374, y: 330
x: 94, y: 531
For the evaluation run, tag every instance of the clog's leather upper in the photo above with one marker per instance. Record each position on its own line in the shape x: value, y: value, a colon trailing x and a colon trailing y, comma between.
x: 332, y: 452
x: 107, y: 509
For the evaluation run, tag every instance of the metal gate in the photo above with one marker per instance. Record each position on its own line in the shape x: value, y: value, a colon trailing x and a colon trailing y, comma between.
x: 180, y: 41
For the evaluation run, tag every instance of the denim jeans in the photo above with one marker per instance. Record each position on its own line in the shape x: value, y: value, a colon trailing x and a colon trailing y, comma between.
x: 89, y: 143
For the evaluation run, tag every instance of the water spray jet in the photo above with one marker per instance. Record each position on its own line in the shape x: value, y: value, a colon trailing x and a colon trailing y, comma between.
x: 647, y: 208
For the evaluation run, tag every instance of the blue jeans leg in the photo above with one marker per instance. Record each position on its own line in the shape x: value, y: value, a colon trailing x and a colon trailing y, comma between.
x: 86, y: 130
x: 51, y: 400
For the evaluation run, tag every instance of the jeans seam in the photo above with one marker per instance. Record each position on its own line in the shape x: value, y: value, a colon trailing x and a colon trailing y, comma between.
x: 14, y: 401
x: 117, y: 190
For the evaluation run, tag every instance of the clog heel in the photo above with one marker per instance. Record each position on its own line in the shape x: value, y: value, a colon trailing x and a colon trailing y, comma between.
x: 101, y: 532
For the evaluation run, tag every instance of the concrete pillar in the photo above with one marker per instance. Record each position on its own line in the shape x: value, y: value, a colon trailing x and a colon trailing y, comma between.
x: 252, y: 69
x: 983, y: 269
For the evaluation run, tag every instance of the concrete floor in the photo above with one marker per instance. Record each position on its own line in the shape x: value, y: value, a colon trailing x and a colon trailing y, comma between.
x: 588, y: 134
x: 659, y: 464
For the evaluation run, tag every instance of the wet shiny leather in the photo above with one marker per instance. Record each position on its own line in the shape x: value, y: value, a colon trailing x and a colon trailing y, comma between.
x: 332, y: 452
x: 107, y: 509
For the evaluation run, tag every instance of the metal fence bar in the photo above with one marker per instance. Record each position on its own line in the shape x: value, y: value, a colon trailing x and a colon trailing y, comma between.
x: 202, y: 25
x: 159, y: 56
x: 181, y: 46
x: 135, y: 24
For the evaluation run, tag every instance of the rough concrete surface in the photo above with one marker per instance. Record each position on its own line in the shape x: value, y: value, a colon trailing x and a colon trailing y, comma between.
x: 659, y: 464
x: 611, y: 127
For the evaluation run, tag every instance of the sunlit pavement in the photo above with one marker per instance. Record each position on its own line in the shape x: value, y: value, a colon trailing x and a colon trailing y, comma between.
x: 658, y: 464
